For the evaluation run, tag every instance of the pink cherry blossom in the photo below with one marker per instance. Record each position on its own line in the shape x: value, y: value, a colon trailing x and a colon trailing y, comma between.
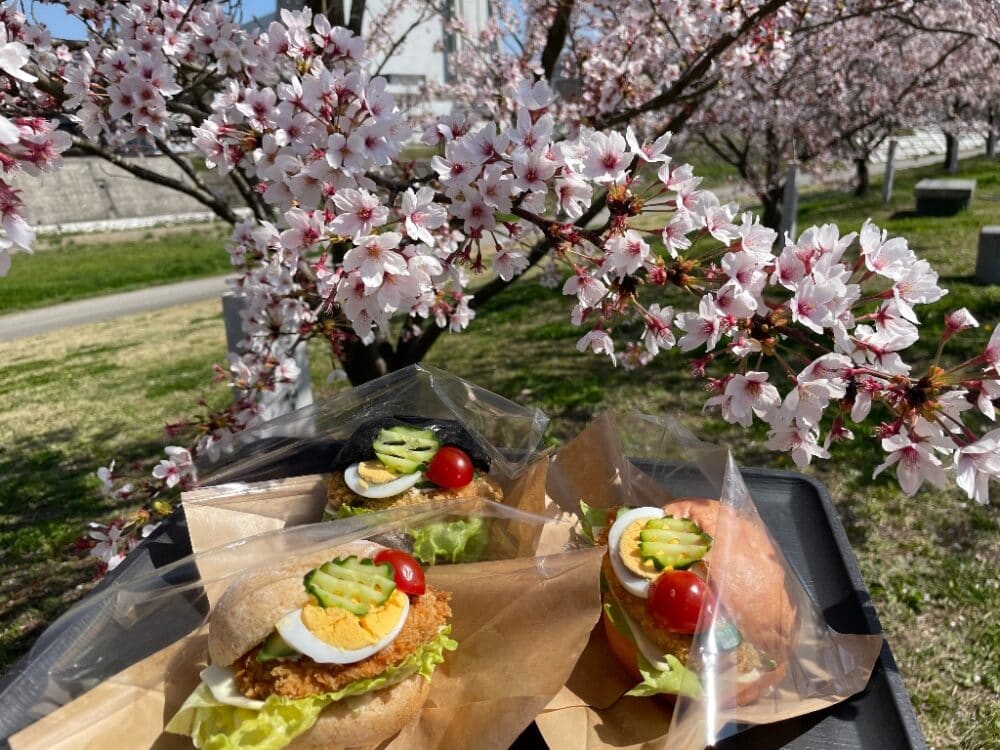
x: 625, y: 253
x: 746, y: 395
x: 607, y: 157
x: 422, y: 214
x: 599, y: 342
x: 373, y: 256
x: 703, y: 327
x: 915, y: 463
x: 360, y: 212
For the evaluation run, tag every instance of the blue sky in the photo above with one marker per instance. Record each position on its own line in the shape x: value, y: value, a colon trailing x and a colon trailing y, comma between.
x: 64, y: 26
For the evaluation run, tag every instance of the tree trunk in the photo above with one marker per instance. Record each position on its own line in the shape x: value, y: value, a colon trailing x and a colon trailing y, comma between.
x: 363, y: 362
x: 864, y: 181
x: 771, y: 202
x: 950, y: 151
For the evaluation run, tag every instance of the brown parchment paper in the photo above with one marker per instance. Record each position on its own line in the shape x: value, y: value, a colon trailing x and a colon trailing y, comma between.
x: 592, y: 711
x: 521, y: 625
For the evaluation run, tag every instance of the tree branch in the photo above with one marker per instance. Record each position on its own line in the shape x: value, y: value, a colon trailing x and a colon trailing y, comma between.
x: 415, y: 349
x: 400, y: 39
x: 696, y: 70
x: 556, y: 38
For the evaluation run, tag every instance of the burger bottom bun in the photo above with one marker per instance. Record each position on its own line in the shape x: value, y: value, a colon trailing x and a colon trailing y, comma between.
x: 747, y: 692
x: 366, y: 720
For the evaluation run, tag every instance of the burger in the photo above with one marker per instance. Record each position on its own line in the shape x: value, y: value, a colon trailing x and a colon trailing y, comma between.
x: 663, y: 620
x: 397, y: 462
x: 336, y: 655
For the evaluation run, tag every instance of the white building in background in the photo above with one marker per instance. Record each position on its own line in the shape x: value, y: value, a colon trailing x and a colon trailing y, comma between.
x: 423, y: 57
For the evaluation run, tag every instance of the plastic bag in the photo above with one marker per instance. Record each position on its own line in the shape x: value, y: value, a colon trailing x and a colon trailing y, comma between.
x: 138, y: 646
x: 507, y: 434
x: 761, y: 652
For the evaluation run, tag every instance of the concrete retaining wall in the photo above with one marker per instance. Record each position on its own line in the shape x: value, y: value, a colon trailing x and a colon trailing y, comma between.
x: 88, y: 188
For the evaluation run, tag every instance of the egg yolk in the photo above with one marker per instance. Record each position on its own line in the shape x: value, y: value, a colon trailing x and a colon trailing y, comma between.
x: 347, y: 631
x: 374, y: 472
x: 628, y: 550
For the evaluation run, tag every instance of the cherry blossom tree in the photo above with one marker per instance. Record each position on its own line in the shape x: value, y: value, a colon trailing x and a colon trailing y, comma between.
x: 843, y: 89
x: 349, y: 234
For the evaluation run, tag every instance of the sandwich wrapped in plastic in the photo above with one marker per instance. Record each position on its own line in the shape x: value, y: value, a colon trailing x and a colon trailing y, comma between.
x: 416, y: 436
x: 705, y: 630
x: 314, y: 633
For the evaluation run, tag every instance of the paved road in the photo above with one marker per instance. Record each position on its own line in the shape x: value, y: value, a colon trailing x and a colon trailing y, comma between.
x: 35, y: 322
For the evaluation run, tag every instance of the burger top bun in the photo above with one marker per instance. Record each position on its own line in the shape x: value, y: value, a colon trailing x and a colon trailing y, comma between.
x: 366, y: 720
x: 247, y: 612
x: 756, y: 587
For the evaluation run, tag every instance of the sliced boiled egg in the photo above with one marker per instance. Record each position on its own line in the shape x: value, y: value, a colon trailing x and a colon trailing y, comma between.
x: 654, y: 655
x: 335, y: 636
x: 376, y: 482
x: 623, y: 549
x: 221, y: 682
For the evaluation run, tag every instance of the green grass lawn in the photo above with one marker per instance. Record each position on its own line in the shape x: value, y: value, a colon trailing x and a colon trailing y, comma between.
x: 72, y: 401
x: 76, y: 267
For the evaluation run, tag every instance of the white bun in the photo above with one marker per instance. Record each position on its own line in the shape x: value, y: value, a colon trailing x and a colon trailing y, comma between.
x: 366, y: 720
x: 247, y: 612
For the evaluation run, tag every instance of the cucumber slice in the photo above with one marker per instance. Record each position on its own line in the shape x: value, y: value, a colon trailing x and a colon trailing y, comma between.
x: 672, y: 523
x: 405, y: 449
x: 671, y: 537
x: 665, y: 555
x: 352, y: 584
x: 673, y: 543
x: 275, y: 647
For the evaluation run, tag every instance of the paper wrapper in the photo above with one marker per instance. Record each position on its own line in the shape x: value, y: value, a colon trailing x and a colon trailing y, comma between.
x: 820, y: 667
x: 521, y: 625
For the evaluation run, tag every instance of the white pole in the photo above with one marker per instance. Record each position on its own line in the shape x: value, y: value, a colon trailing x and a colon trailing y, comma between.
x: 890, y: 171
x: 789, y: 204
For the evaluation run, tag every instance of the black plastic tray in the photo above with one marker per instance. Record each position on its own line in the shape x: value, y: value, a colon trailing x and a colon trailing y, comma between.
x: 801, y: 517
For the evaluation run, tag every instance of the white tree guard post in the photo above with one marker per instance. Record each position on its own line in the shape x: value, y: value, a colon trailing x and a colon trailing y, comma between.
x: 890, y: 171
x: 286, y: 397
x: 789, y: 204
x: 988, y: 257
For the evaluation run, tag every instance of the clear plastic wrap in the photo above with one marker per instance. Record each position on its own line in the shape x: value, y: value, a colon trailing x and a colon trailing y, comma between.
x: 785, y: 661
x: 508, y: 434
x: 295, y: 475
x: 140, y: 644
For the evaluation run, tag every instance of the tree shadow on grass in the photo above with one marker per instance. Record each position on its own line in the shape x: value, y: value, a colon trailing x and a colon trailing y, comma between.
x: 48, y: 492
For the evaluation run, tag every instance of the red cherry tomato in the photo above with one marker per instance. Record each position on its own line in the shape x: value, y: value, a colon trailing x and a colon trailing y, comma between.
x: 451, y: 467
x: 407, y: 572
x: 675, y: 601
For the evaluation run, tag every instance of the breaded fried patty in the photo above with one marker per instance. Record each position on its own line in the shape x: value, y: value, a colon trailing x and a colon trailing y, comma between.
x: 748, y: 658
x: 338, y: 493
x: 303, y: 677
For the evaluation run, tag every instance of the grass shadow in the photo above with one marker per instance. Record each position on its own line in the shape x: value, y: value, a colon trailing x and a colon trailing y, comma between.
x: 48, y: 493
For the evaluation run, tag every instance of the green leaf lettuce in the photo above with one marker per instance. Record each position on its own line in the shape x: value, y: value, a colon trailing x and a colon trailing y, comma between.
x: 453, y: 541
x: 218, y: 726
x: 678, y: 680
x: 462, y: 541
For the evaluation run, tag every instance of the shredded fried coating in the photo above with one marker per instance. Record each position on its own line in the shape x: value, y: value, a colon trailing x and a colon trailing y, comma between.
x: 303, y: 677
x: 339, y: 493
